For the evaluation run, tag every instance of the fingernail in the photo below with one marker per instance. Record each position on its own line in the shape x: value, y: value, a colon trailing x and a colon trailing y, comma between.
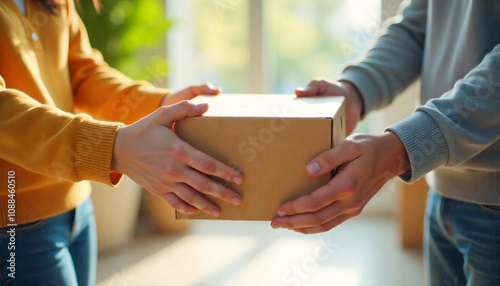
x: 236, y: 201
x: 216, y: 212
x: 237, y: 180
x: 282, y: 213
x: 202, y: 106
x: 275, y: 225
x: 300, y: 88
x: 313, y: 168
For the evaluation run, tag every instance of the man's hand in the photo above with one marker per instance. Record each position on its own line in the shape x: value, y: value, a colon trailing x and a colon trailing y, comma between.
x: 189, y: 93
x: 152, y: 155
x: 353, y: 100
x: 364, y: 164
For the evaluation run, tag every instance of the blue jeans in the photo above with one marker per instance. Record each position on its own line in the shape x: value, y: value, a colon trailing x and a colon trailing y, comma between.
x: 61, y: 250
x: 461, y: 243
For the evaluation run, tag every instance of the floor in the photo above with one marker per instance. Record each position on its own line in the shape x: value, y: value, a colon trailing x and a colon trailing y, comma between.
x: 363, y: 251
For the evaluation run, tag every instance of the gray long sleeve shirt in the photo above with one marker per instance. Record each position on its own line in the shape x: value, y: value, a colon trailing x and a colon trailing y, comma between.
x: 454, y: 46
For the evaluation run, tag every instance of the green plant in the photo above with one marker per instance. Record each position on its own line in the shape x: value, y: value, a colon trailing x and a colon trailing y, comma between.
x: 129, y: 33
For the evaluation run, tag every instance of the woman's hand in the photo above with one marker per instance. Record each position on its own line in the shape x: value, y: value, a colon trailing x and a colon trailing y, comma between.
x: 189, y: 93
x: 152, y: 155
x: 353, y: 100
x: 364, y: 164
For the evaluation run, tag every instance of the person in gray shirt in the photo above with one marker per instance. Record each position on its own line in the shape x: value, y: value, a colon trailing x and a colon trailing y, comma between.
x: 452, y: 138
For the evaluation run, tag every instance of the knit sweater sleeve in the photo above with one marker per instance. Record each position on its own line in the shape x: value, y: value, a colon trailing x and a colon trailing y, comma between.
x: 463, y: 122
x: 100, y: 90
x: 394, y: 61
x: 43, y: 139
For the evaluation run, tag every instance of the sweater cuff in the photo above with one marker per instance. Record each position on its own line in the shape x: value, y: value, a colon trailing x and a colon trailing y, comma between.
x: 94, y: 151
x: 424, y: 142
x: 366, y: 85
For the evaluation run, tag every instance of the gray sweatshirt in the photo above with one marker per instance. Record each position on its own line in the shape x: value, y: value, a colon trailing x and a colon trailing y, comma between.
x: 454, y: 46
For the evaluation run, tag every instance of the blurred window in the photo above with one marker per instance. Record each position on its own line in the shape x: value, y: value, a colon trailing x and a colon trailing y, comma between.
x: 268, y: 46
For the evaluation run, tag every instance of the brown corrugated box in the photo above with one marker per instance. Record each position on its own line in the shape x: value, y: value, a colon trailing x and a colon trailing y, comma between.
x: 270, y: 138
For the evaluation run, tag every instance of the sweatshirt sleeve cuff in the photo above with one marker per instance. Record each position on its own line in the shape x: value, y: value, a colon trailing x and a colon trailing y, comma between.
x: 424, y: 142
x: 94, y: 151
x: 366, y: 85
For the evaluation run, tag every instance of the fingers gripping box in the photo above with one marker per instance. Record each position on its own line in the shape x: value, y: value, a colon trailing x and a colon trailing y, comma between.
x: 269, y: 138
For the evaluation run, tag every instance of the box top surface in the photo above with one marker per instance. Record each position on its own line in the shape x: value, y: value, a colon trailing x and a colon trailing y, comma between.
x: 270, y: 105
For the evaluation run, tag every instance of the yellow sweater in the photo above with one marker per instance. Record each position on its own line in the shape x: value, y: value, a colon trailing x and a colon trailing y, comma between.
x: 48, y: 70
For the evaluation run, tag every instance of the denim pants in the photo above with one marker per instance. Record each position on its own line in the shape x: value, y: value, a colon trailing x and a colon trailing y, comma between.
x: 60, y: 250
x: 461, y: 243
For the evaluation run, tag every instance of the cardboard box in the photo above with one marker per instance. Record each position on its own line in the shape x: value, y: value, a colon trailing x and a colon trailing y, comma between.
x: 270, y: 139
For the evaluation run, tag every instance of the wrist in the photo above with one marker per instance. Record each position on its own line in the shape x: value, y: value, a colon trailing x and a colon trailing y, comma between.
x: 354, y: 96
x: 397, y: 154
x: 164, y: 100
x: 115, y: 158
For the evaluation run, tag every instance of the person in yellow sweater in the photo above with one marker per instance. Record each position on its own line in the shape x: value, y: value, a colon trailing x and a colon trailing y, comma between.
x: 67, y: 118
